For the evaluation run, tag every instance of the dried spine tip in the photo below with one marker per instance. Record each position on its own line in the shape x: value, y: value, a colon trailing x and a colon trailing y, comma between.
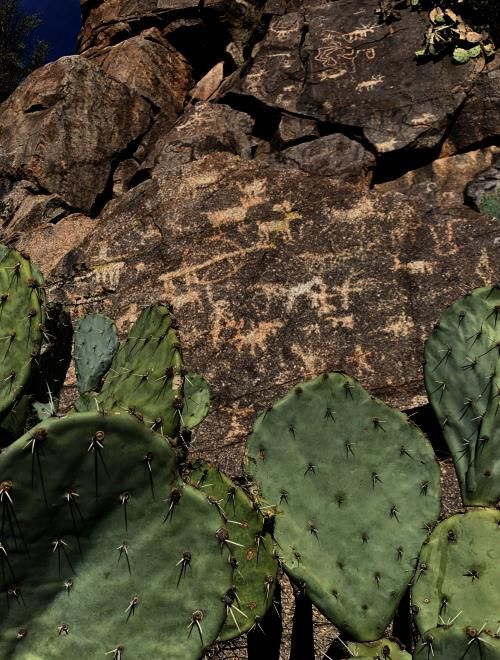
x: 222, y: 535
x: 134, y: 603
x: 124, y: 498
x: 5, y: 487
x: 175, y: 496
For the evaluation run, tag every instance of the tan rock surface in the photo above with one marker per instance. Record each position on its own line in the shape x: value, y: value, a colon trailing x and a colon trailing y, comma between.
x: 64, y: 125
x: 149, y: 66
x: 50, y: 243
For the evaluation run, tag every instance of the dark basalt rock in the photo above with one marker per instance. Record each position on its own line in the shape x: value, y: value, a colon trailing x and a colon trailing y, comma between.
x: 334, y: 62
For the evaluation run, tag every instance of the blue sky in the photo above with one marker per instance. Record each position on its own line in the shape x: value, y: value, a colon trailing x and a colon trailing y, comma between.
x: 60, y: 24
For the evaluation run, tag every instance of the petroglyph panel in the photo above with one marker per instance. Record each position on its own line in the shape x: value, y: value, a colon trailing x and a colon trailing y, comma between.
x: 335, y: 62
x: 311, y: 274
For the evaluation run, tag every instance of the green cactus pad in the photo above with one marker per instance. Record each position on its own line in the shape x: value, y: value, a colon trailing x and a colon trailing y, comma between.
x: 196, y: 400
x: 146, y: 373
x: 96, y: 343
x: 255, y: 575
x: 15, y: 423
x: 461, y: 367
x: 354, y: 485
x: 22, y: 320
x: 488, y: 459
x: 99, y: 553
x: 458, y: 576
x: 458, y: 643
x: 383, y: 649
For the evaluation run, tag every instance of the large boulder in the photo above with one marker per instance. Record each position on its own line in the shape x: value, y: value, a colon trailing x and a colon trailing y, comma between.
x: 277, y: 275
x: 335, y: 62
x: 148, y: 65
x: 204, y: 128
x: 65, y: 125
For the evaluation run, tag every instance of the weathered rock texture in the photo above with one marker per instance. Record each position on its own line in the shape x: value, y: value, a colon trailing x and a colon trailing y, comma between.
x: 284, y: 173
x: 64, y: 127
x: 148, y: 65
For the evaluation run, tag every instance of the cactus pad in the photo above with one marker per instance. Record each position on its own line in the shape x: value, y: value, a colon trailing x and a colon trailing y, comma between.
x: 196, y: 400
x: 458, y: 576
x: 383, y: 649
x: 255, y: 574
x: 145, y: 376
x: 459, y: 643
x: 96, y: 343
x: 488, y: 458
x: 22, y: 318
x: 354, y: 485
x: 462, y: 370
x: 99, y: 554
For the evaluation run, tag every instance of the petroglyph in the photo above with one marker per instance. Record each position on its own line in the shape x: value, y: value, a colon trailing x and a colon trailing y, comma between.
x: 252, y: 194
x: 362, y: 32
x: 401, y: 325
x: 254, y: 339
x: 314, y: 290
x: 341, y: 51
x: 108, y: 275
x: 282, y: 226
x: 369, y: 85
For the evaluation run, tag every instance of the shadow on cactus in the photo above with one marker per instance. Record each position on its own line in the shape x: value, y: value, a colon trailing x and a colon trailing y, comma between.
x: 93, y: 555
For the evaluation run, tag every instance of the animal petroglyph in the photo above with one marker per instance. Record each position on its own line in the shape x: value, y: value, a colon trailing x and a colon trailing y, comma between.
x: 369, y: 85
x: 362, y: 32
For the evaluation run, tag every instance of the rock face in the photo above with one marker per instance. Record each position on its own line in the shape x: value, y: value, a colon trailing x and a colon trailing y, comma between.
x: 159, y: 72
x: 283, y: 172
x: 64, y: 126
x: 334, y: 62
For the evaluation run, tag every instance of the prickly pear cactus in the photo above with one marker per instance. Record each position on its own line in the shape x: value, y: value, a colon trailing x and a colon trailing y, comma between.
x: 462, y: 371
x: 41, y: 395
x: 99, y: 554
x: 459, y: 642
x: 488, y: 459
x: 96, y: 343
x: 384, y: 649
x: 14, y: 424
x: 196, y: 400
x: 55, y: 356
x: 256, y: 566
x: 145, y: 376
x: 22, y: 318
x: 458, y: 576
x: 354, y: 486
